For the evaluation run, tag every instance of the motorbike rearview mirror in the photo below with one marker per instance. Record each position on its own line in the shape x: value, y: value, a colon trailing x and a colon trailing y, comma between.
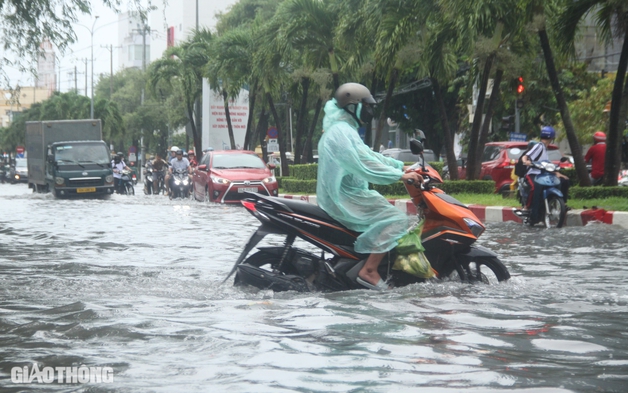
x: 416, y: 146
x: 564, y: 159
x: 202, y: 167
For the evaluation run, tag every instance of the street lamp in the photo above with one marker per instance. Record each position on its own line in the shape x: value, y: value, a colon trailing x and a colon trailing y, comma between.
x: 91, y: 32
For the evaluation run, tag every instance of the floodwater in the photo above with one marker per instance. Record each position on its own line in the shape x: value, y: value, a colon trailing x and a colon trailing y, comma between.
x: 134, y: 283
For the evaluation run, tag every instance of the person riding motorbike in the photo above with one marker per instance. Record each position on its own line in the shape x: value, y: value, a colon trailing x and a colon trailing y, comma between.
x: 192, y: 158
x: 178, y: 163
x: 539, y: 153
x: 173, y: 153
x: 597, y: 155
x: 346, y: 166
x: 118, y: 165
x: 159, y: 166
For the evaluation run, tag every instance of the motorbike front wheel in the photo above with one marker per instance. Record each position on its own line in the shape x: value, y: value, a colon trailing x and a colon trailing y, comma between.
x: 481, y: 270
x: 555, y: 213
x: 129, y: 190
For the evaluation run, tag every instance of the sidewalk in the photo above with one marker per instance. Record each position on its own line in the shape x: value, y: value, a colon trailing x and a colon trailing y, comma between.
x: 502, y: 214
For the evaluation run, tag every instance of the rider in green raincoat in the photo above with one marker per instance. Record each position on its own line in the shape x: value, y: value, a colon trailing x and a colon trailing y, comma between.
x: 346, y: 166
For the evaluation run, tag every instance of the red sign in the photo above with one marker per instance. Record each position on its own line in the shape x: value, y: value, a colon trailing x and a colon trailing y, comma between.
x: 170, y: 40
x: 19, y: 149
x: 132, y: 149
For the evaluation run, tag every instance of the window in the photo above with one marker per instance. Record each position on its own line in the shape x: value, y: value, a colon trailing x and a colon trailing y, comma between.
x: 490, y: 153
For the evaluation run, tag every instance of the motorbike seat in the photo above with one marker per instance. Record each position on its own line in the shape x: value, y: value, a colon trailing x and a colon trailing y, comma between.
x: 304, y: 208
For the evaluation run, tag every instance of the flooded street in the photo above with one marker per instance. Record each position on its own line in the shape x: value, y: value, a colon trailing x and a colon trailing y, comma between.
x: 134, y: 283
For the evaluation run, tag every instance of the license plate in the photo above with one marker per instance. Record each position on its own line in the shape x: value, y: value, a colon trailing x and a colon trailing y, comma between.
x: 86, y: 189
x: 247, y: 189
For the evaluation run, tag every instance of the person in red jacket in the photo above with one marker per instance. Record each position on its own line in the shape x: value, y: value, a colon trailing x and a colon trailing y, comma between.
x: 597, y: 155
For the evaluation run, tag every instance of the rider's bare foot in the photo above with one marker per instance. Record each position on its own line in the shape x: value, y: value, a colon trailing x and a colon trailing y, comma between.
x: 369, y: 275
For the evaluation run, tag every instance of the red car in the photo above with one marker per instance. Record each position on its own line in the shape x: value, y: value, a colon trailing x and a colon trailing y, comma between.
x: 224, y: 176
x: 499, y: 158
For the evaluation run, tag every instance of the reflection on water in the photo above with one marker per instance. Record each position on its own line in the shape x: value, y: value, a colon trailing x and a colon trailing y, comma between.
x: 134, y: 283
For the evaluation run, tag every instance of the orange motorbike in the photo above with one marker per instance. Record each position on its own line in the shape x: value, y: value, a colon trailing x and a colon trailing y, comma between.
x: 449, y: 233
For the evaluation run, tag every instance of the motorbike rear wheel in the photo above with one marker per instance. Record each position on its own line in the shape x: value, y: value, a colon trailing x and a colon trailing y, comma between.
x: 556, y: 214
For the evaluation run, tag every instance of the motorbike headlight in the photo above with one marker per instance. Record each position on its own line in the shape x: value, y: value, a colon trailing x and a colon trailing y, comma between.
x: 177, y: 182
x: 475, y: 227
x: 270, y: 179
x: 550, y: 167
x: 108, y: 179
x: 185, y: 182
x: 59, y: 181
x: 220, y: 180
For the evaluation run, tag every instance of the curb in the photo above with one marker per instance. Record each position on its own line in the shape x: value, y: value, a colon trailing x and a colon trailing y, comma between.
x: 575, y: 218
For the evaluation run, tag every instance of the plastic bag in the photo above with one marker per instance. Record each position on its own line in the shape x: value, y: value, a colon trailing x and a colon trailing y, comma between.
x: 410, y: 256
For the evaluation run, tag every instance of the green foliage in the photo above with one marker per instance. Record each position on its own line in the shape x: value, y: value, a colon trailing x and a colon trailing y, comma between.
x: 468, y: 186
x: 597, y: 192
x: 587, y: 110
x: 297, y: 186
x: 304, y: 171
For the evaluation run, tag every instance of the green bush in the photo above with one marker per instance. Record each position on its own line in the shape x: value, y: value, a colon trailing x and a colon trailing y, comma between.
x: 304, y: 172
x: 290, y: 185
x: 597, y: 192
x: 468, y: 186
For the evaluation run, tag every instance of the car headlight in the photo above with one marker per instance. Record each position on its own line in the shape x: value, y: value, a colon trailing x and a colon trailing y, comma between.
x: 108, y: 179
x: 220, y: 180
x: 59, y: 180
x: 475, y: 227
x: 270, y: 179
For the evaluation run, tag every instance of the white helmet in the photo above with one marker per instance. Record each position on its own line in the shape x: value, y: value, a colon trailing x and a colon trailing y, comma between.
x: 174, y: 149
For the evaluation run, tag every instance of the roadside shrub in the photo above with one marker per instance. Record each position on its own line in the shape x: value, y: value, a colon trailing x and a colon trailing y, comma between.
x: 468, y: 186
x: 291, y: 185
x: 304, y: 171
x: 597, y: 192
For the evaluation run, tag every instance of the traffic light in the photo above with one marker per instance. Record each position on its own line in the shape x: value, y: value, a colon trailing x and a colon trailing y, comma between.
x: 508, y: 123
x: 520, y: 87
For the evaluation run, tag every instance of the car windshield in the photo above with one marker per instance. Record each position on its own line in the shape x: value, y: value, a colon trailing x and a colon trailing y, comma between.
x: 554, y: 155
x: 20, y: 163
x: 234, y: 161
x: 490, y: 153
x: 82, y: 153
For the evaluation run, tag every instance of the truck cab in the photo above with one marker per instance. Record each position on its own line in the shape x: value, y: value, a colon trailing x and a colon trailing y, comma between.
x: 79, y: 168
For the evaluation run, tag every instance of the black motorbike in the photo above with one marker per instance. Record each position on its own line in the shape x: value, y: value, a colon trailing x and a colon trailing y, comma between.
x: 180, y: 184
x: 126, y: 183
x: 149, y: 176
x: 282, y: 268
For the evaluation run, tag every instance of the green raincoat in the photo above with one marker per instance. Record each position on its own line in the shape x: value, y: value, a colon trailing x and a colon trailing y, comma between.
x: 346, y: 166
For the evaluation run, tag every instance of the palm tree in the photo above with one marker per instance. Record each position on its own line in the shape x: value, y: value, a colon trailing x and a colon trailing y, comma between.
x: 183, y: 65
x: 611, y: 17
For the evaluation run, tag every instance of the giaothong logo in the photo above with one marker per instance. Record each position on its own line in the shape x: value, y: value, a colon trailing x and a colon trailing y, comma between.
x: 80, y: 374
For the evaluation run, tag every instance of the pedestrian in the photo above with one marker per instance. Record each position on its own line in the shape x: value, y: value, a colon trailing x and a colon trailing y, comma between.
x: 390, y: 145
x: 381, y: 147
x: 597, y: 155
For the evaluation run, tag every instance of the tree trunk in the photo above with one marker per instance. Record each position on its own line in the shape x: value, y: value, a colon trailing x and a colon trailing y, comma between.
x: 248, y: 136
x: 576, y: 151
x: 261, y: 126
x: 228, y: 116
x: 333, y: 65
x: 198, y: 146
x: 285, y: 171
x: 472, y: 157
x: 487, y: 119
x: 394, y: 73
x: 307, y: 149
x: 368, y: 134
x: 452, y: 164
x: 615, y: 128
x: 305, y: 83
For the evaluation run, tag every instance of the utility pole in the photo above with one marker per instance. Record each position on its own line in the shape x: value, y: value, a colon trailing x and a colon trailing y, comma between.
x: 75, y: 80
x: 110, y: 49
x: 86, y: 77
